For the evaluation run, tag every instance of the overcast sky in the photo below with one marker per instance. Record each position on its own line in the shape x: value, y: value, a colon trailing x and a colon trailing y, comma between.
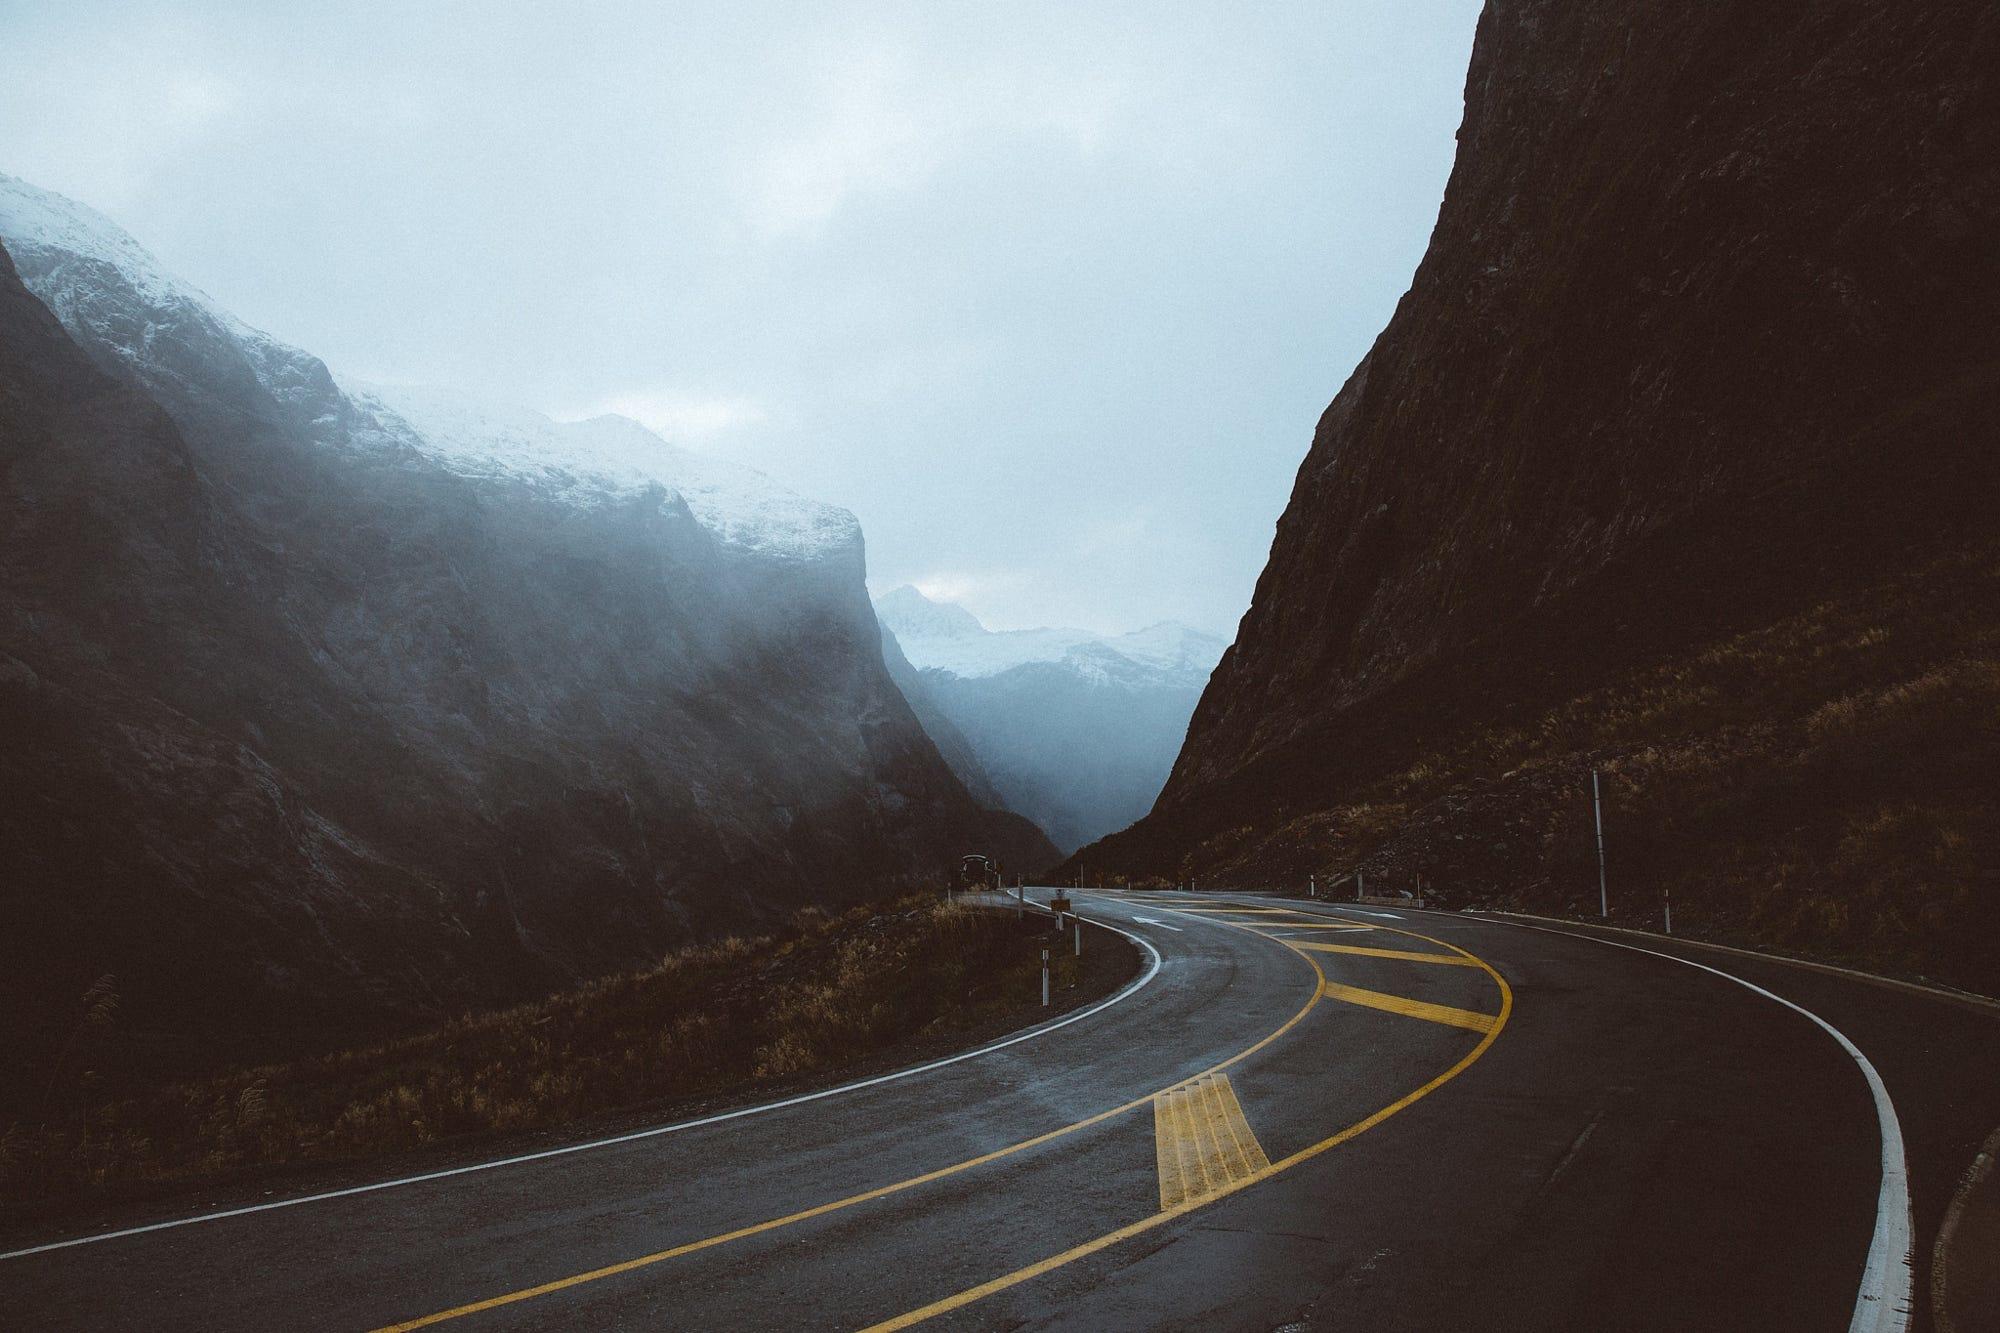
x: 1049, y: 295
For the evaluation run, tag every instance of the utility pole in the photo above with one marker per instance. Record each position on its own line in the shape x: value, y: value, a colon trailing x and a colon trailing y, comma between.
x: 1597, y: 801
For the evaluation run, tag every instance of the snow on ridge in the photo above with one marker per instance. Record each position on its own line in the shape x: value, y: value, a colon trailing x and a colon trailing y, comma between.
x: 31, y: 216
x: 1171, y: 645
x: 934, y: 638
x: 740, y: 505
x: 580, y: 459
x: 910, y: 614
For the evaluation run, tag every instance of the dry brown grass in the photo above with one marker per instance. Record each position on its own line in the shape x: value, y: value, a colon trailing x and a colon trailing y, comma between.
x: 711, y: 1020
x: 1827, y: 784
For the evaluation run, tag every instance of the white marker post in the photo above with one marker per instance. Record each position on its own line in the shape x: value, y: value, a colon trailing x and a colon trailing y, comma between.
x: 1045, y: 978
x: 1079, y: 937
x: 1312, y: 886
x: 1603, y: 893
x: 1667, y: 897
x: 1360, y: 886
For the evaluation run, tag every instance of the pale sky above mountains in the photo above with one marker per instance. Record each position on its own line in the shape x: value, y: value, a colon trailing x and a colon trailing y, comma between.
x: 1050, y: 296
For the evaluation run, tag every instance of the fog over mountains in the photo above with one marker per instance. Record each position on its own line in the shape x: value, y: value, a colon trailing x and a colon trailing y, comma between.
x: 1077, y: 731
x: 328, y: 701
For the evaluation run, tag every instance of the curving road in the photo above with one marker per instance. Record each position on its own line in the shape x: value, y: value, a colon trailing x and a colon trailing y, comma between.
x: 1304, y: 1115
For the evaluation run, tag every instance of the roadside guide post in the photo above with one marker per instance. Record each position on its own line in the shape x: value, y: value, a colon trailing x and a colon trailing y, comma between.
x: 1045, y: 978
x: 1597, y: 802
x: 1312, y: 886
x: 1079, y: 936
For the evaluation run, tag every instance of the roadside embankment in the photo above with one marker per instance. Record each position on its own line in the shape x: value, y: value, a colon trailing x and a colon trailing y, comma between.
x: 827, y: 999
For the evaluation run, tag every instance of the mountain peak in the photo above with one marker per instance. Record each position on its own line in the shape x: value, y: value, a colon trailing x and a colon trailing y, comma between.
x: 34, y: 218
x: 911, y: 615
x: 62, y: 247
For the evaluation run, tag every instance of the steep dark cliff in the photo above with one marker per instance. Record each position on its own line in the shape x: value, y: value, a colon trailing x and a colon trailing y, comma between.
x: 1705, y: 339
x: 311, y: 722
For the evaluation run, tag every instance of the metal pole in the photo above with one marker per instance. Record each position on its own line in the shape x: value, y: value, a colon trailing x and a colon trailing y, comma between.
x: 1045, y: 978
x: 1603, y: 893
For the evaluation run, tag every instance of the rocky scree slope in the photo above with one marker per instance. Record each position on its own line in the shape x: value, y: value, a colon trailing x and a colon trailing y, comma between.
x: 1701, y: 363
x: 330, y: 706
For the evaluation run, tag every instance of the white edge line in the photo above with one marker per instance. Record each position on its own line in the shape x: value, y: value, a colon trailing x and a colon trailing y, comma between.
x: 1928, y: 990
x: 1152, y: 970
x: 1883, y: 1304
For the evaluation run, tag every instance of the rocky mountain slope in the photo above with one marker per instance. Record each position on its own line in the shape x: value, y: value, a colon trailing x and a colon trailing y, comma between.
x: 1072, y: 729
x: 329, y: 704
x: 1677, y: 458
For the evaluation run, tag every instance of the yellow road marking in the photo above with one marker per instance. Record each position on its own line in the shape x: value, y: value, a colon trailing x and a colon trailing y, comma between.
x: 1407, y: 955
x: 1131, y: 1229
x: 1202, y: 1141
x: 1242, y: 911
x: 1398, y: 1004
x: 882, y: 1191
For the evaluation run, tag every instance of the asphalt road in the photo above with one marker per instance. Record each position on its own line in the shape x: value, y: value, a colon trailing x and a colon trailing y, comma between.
x: 1307, y: 1116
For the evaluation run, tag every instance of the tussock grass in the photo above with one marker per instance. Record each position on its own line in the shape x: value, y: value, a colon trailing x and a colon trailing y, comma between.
x: 719, y: 1019
x: 1827, y: 784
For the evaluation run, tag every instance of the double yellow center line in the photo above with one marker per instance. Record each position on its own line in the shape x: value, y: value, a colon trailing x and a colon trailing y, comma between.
x: 1211, y: 1146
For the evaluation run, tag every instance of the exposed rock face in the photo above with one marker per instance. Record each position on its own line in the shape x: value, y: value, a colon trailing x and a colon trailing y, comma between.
x: 1072, y: 729
x: 325, y: 703
x: 1706, y: 332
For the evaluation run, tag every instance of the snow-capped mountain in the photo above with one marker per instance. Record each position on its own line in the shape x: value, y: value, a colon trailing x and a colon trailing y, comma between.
x: 105, y: 286
x: 1077, y: 731
x: 604, y: 457
x: 944, y: 636
x: 322, y: 696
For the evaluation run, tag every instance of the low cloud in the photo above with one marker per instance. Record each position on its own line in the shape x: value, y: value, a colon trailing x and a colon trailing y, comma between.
x: 684, y: 417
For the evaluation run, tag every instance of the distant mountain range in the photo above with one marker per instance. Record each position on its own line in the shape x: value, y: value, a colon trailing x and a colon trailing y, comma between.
x: 1074, y: 730
x: 327, y: 702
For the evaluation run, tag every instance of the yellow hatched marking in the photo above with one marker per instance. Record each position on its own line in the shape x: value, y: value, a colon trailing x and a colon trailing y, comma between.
x: 971, y: 1295
x: 1201, y: 1141
x: 1242, y: 911
x: 1406, y: 955
x: 1397, y: 1004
